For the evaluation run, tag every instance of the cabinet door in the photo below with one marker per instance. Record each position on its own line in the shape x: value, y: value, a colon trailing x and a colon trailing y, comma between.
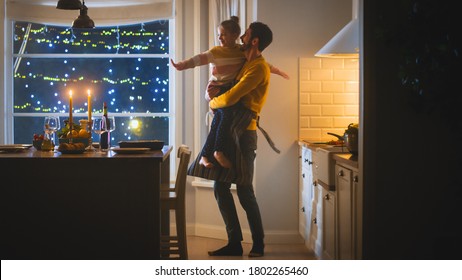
x: 305, y: 193
x: 357, y: 216
x: 345, y: 212
x: 328, y: 223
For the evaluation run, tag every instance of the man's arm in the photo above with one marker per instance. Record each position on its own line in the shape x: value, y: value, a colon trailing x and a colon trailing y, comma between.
x: 249, y: 81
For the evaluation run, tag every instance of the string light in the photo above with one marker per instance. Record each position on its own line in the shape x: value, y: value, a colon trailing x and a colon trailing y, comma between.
x: 110, y: 76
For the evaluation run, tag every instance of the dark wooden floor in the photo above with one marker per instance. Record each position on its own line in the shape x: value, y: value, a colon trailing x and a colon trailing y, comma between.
x: 199, y: 246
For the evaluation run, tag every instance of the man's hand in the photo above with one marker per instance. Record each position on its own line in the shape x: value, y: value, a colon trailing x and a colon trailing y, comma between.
x: 211, y: 92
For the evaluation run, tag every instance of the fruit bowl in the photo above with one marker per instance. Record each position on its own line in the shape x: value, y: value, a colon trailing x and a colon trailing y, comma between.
x: 85, y: 141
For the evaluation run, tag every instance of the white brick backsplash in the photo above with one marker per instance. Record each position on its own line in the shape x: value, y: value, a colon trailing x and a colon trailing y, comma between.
x: 352, y: 110
x: 304, y: 98
x: 310, y: 86
x: 333, y: 110
x: 320, y: 122
x: 333, y: 86
x: 343, y: 122
x: 346, y: 98
x: 321, y: 75
x: 329, y: 96
x: 310, y: 134
x: 321, y: 98
x: 304, y: 122
x: 351, y: 63
x: 310, y: 63
x: 332, y: 63
x: 352, y: 86
x: 304, y: 75
x: 345, y: 75
x: 310, y: 110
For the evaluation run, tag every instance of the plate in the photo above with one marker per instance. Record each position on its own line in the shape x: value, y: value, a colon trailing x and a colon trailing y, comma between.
x: 130, y: 150
x: 71, y: 151
x: 151, y: 144
x: 14, y: 148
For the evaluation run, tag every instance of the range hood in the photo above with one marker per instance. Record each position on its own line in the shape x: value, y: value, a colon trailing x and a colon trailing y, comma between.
x: 345, y: 44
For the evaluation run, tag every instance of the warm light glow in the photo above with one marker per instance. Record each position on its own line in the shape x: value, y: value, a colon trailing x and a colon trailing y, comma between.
x: 134, y: 124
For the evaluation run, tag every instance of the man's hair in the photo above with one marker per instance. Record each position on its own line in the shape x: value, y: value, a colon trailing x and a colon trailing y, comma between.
x: 263, y: 33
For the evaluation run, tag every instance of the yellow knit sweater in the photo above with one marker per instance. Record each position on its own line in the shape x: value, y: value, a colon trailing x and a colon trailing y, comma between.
x: 251, y: 89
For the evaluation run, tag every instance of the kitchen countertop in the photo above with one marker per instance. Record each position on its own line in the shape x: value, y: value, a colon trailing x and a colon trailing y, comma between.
x: 348, y: 159
x: 311, y: 145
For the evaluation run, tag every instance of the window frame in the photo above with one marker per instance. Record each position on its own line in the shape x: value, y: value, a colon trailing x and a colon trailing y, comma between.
x: 8, y: 95
x: 9, y: 98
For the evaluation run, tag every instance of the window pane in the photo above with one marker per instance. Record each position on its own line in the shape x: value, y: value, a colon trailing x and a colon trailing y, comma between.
x: 148, y: 38
x: 139, y: 85
x: 127, y: 129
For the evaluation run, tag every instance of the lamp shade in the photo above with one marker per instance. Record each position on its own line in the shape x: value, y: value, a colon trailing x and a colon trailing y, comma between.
x: 83, y: 20
x: 69, y: 5
x: 345, y: 44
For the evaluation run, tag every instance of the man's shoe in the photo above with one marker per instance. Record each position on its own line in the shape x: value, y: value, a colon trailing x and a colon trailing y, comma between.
x: 257, y: 251
x: 228, y: 250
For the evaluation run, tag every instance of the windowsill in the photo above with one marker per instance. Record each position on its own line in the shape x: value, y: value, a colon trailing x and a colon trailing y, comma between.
x: 203, y: 183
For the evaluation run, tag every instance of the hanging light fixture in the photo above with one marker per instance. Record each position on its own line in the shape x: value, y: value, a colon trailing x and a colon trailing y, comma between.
x: 83, y: 20
x: 345, y: 44
x: 69, y: 5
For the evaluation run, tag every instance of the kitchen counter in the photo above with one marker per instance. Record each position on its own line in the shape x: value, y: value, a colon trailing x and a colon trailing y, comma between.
x: 349, y: 159
x: 82, y: 206
x: 312, y: 145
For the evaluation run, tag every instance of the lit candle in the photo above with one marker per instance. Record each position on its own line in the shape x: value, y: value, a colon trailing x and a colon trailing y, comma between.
x: 89, y: 105
x: 70, y: 110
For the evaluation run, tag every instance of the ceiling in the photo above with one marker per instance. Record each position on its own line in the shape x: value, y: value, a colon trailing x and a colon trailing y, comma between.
x: 94, y: 3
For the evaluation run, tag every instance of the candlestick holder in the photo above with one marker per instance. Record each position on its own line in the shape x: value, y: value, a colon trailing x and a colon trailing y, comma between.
x: 71, y: 128
x: 90, y: 139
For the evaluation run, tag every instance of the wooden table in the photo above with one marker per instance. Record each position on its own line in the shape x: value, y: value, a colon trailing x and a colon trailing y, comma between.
x: 81, y: 206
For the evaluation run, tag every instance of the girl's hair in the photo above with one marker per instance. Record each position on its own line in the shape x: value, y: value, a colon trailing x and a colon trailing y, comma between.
x: 232, y: 25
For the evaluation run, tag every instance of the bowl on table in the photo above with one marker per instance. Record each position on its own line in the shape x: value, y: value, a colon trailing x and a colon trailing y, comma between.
x: 85, y: 141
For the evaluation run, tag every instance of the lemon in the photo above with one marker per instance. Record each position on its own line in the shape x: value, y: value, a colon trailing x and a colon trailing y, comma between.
x: 83, y: 133
x: 75, y: 134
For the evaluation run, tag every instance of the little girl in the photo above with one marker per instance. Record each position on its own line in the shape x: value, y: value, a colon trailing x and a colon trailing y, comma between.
x: 225, y: 62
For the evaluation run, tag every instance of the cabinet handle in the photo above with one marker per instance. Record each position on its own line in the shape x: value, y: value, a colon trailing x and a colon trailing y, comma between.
x: 303, y: 175
x: 326, y: 197
x: 306, y: 160
x: 340, y: 173
x: 315, y: 221
x: 310, y: 162
x: 355, y: 178
x: 303, y: 209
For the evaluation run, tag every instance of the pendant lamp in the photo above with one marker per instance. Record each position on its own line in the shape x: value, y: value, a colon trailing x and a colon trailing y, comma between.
x: 83, y: 20
x: 69, y: 5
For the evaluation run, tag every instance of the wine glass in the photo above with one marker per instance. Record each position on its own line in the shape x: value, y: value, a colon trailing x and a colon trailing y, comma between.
x: 111, y: 128
x: 51, y: 125
x: 99, y: 127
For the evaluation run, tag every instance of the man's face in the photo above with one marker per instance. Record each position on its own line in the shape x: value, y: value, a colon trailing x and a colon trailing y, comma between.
x: 246, y: 41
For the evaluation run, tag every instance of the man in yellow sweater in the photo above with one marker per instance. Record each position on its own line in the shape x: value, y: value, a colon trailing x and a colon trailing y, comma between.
x: 251, y: 90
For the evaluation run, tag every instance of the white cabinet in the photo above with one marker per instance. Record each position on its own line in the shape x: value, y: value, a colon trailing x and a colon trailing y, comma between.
x: 306, y: 193
x: 349, y: 213
x: 329, y: 216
